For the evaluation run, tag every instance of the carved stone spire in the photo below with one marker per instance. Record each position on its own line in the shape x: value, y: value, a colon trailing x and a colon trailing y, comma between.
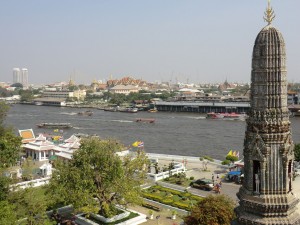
x: 266, y: 196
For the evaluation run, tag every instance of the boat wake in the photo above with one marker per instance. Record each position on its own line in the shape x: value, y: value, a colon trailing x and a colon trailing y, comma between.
x: 122, y: 121
x: 66, y: 113
x: 196, y: 117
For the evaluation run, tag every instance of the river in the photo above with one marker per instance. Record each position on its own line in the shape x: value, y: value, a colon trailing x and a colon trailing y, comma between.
x: 187, y: 134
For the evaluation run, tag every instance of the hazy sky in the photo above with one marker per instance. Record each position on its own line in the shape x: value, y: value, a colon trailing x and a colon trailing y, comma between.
x: 156, y: 40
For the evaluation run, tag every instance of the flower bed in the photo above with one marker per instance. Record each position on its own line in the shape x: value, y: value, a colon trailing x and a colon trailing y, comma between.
x: 182, y: 200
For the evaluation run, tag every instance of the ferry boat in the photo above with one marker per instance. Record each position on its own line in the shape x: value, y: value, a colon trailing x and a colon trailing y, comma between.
x: 230, y: 116
x: 54, y: 125
x: 145, y: 120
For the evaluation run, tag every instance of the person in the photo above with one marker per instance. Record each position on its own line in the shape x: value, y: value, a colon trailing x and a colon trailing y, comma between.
x: 218, y: 188
x: 213, y: 179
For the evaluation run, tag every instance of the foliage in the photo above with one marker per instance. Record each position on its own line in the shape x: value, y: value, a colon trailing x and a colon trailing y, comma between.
x: 7, y: 213
x: 96, y: 177
x: 3, y: 111
x: 171, y: 197
x: 30, y: 203
x: 17, y: 85
x: 226, y: 162
x: 214, y: 210
x: 179, y: 179
x: 4, y: 92
x: 26, y: 95
x: 232, y: 158
x: 118, y: 99
x: 297, y: 152
x: 10, y: 146
x: 4, y: 186
x: 208, y: 158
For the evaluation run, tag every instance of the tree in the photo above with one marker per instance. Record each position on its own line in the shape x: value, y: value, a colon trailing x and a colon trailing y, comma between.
x: 10, y: 146
x: 213, y: 210
x: 26, y: 95
x: 96, y: 178
x: 7, y: 213
x: 297, y: 152
x: 17, y: 85
x: 31, y: 203
x: 4, y: 186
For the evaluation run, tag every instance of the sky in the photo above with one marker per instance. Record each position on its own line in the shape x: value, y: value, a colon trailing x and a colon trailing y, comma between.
x: 195, y: 41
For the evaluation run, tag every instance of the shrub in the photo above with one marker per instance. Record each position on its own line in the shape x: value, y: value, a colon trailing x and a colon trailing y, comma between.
x: 226, y: 162
x: 167, y: 179
x: 201, y: 158
x: 232, y: 158
x: 181, y: 205
x: 208, y: 158
x: 192, y: 178
x: 167, y: 201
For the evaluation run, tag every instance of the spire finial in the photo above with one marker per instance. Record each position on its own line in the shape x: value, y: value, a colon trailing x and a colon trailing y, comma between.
x: 269, y: 14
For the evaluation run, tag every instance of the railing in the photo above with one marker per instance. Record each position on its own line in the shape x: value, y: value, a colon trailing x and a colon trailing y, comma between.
x: 31, y: 183
x: 179, y: 168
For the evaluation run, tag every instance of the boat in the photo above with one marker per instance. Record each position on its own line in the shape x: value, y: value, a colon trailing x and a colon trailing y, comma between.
x: 213, y: 115
x: 152, y: 110
x: 86, y: 113
x: 229, y: 116
x: 128, y: 110
x: 54, y: 125
x: 145, y: 120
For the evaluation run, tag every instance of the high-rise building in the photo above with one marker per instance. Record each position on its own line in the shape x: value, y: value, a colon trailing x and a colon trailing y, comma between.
x: 20, y: 76
x: 266, y: 195
x: 16, y: 75
x: 24, y: 77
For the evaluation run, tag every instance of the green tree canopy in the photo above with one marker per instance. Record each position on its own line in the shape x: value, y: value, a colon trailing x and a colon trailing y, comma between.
x: 10, y: 144
x: 96, y: 178
x: 30, y: 203
x: 7, y: 213
x: 297, y: 152
x: 213, y: 210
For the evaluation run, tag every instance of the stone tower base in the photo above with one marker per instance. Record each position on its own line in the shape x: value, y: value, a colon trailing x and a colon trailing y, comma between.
x: 245, y: 218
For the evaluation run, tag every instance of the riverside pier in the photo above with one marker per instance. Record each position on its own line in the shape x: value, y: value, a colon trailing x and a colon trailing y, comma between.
x: 203, y: 107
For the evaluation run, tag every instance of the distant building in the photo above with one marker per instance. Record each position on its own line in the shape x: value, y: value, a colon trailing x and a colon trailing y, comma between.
x: 16, y: 75
x: 124, y: 89
x: 126, y: 81
x: 20, y: 76
x: 24, y: 77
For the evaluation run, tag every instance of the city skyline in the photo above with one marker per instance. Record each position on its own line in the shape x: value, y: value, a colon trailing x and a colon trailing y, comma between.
x: 195, y: 41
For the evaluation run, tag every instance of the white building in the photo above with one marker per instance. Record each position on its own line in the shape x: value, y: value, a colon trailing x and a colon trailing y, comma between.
x: 16, y: 75
x: 20, y: 76
x: 24, y: 77
x: 41, y: 149
x: 124, y: 89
